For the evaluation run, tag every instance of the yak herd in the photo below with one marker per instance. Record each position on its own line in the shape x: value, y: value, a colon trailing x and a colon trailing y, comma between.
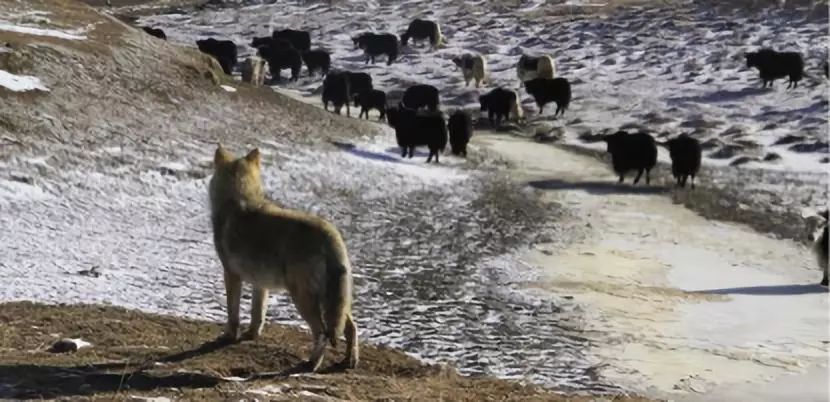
x: 418, y: 121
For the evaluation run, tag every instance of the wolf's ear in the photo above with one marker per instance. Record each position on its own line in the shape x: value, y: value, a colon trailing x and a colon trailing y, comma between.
x: 253, y: 156
x: 222, y: 156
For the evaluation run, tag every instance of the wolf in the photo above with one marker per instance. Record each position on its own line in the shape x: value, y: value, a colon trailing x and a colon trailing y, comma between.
x: 278, y: 248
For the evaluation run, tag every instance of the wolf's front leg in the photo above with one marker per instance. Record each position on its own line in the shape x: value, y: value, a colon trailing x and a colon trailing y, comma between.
x: 233, y: 291
x: 318, y: 351
x: 258, y: 307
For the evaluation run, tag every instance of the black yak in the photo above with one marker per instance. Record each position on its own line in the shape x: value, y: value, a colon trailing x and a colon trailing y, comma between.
x: 773, y: 65
x: 461, y: 130
x: 546, y: 90
x: 371, y: 99
x: 421, y: 95
x: 317, y: 60
x: 224, y: 51
x: 157, y: 32
x: 422, y: 29
x: 414, y: 128
x: 374, y: 45
x: 281, y: 58
x: 301, y: 40
x: 337, y: 91
x: 632, y: 152
x: 500, y: 103
x: 686, y: 154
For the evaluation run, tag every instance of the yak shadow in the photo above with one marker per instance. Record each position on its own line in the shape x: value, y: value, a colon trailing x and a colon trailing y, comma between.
x: 397, y: 151
x: 723, y: 95
x: 773, y: 290
x: 362, y: 153
x: 597, y: 187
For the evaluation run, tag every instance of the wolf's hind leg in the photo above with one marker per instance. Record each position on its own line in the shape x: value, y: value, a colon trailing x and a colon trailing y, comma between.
x: 258, y: 307
x: 318, y: 351
x: 308, y: 304
x: 352, y: 353
x: 233, y: 291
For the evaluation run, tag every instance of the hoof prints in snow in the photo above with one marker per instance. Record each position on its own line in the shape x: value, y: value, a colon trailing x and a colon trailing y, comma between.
x: 681, y: 63
x: 431, y: 248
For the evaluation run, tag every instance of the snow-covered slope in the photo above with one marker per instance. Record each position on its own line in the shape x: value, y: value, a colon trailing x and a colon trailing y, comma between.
x: 435, y: 270
x: 667, y: 68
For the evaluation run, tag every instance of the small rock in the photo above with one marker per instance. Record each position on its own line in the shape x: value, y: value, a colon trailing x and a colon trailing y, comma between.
x: 547, y: 137
x: 788, y: 139
x: 711, y: 143
x: 725, y: 152
x: 69, y: 345
x: 92, y: 272
x: 818, y: 147
x: 742, y: 160
x: 734, y: 130
x: 20, y: 178
x: 772, y: 156
x: 148, y: 398
x: 590, y: 137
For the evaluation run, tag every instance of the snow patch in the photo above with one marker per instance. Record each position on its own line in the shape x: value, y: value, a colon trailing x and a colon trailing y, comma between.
x: 9, y: 27
x: 21, y: 83
x: 14, y: 191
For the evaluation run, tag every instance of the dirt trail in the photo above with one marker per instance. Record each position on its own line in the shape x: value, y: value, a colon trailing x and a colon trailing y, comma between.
x: 679, y: 306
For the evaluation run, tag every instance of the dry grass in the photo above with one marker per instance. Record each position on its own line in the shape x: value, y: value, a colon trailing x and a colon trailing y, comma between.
x: 134, y: 353
x: 142, y: 91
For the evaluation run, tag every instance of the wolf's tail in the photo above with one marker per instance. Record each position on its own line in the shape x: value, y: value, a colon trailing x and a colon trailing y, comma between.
x: 337, y: 301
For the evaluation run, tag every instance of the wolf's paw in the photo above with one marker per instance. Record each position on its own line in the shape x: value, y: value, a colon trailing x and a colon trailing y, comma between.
x: 350, y: 362
x: 307, y: 366
x: 251, y: 334
x: 229, y: 336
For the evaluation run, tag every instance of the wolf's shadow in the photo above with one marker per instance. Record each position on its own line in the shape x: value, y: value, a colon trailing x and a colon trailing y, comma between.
x: 31, y: 381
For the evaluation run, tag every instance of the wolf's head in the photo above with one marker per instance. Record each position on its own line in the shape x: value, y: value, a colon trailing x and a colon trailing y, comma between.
x: 235, y: 179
